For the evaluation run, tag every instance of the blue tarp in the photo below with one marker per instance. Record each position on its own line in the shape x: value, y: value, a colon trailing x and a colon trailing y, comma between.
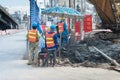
x: 34, y: 14
x: 62, y: 10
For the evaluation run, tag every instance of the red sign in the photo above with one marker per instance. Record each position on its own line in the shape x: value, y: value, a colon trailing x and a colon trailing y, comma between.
x: 60, y: 27
x: 43, y: 27
x: 88, y: 23
x: 77, y: 26
x: 77, y: 30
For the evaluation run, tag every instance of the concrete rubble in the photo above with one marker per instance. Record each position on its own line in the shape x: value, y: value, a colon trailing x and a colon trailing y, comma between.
x: 84, y: 54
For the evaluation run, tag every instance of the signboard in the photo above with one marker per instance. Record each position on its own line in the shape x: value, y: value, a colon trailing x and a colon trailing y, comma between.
x: 43, y: 27
x: 77, y: 30
x: 77, y: 26
x: 88, y: 23
x: 60, y: 27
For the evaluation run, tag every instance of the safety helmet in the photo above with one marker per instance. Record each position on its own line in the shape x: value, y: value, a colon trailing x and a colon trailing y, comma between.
x: 34, y: 24
x: 52, y: 27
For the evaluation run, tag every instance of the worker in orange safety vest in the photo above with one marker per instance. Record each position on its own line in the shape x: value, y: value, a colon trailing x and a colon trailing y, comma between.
x: 51, y: 44
x: 33, y: 38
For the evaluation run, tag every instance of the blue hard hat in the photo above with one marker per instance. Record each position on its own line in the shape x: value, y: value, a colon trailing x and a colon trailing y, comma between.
x: 34, y: 24
x: 52, y: 27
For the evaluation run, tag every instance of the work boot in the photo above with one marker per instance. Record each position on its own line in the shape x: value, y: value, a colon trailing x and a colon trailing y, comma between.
x: 29, y: 63
x: 55, y: 65
x: 35, y: 65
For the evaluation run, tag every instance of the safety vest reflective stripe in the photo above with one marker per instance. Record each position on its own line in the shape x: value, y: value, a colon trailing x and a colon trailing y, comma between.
x: 50, y: 40
x: 32, y: 36
x: 32, y: 33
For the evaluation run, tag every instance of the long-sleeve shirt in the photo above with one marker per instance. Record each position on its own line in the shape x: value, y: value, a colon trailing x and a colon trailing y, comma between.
x: 65, y: 34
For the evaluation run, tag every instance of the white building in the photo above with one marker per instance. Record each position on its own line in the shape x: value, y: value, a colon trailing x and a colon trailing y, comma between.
x: 41, y: 3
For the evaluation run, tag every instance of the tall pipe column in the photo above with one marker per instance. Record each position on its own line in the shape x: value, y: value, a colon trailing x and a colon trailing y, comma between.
x: 82, y: 33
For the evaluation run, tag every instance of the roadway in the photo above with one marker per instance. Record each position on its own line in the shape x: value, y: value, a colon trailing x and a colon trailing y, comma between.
x: 13, y: 67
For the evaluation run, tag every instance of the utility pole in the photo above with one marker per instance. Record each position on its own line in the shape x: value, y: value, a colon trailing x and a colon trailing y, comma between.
x: 70, y: 3
x: 51, y: 1
x: 69, y: 18
x: 30, y: 17
x: 82, y: 22
x: 74, y: 3
x: 26, y: 55
x: 45, y: 3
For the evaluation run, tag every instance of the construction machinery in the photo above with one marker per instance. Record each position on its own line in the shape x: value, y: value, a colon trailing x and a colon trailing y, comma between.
x: 109, y: 12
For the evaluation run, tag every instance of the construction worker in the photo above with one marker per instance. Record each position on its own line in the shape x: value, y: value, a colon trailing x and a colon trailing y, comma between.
x: 64, y: 35
x: 51, y: 44
x: 33, y: 38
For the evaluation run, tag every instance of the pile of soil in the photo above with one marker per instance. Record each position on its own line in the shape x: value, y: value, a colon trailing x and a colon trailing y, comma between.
x: 83, y: 51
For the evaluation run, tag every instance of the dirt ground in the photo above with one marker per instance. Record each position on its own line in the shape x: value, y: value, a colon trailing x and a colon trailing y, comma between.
x: 19, y: 70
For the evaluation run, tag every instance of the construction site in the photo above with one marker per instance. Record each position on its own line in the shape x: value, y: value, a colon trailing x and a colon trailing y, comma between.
x: 92, y: 51
x: 99, y: 48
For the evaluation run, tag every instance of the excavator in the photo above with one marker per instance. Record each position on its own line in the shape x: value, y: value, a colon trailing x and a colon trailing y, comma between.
x: 109, y: 12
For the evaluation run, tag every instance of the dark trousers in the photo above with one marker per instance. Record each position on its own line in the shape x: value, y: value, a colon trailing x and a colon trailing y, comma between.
x: 41, y: 56
x: 51, y: 55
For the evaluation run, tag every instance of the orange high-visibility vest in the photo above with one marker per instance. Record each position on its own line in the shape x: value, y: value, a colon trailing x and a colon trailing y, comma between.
x: 32, y: 36
x: 50, y: 40
x: 60, y: 27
